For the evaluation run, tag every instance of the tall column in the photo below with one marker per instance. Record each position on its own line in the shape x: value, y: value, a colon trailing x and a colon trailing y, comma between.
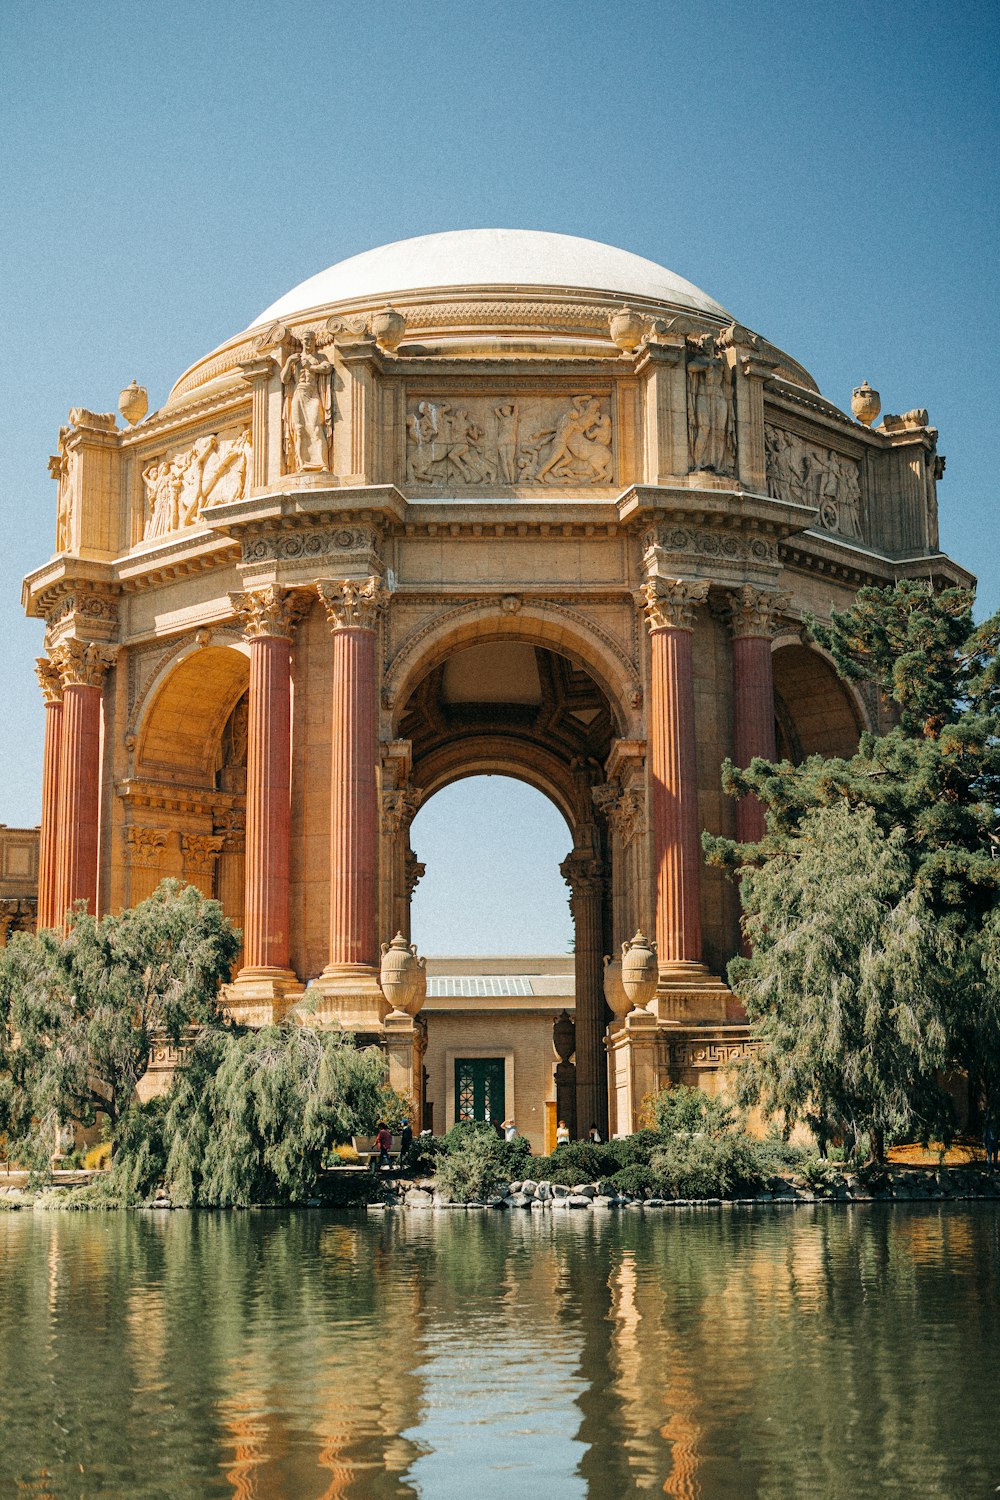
x: 584, y: 874
x: 752, y: 619
x: 48, y: 846
x: 353, y: 607
x: 268, y: 616
x: 82, y: 666
x: 670, y: 607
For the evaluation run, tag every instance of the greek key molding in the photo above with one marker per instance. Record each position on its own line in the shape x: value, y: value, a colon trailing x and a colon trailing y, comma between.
x: 353, y: 603
x: 693, y: 1054
x: 272, y: 611
x: 670, y: 603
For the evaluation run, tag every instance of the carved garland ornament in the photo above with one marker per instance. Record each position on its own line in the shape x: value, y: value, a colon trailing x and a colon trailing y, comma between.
x: 670, y: 603
x: 289, y: 546
x: 353, y: 603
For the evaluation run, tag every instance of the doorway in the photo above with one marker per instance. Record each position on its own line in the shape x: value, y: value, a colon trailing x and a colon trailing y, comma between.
x: 480, y: 1090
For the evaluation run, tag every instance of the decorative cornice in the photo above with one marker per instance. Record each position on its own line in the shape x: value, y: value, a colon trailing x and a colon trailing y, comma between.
x: 83, y: 663
x: 49, y: 680
x: 755, y: 612
x: 670, y: 603
x: 353, y: 603
x: 270, y: 611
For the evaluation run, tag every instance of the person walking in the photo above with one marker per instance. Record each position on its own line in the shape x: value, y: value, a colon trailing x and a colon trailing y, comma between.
x: 405, y: 1143
x: 383, y: 1141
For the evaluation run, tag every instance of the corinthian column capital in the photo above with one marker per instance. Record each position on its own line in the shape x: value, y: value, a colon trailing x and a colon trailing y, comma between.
x: 49, y: 680
x: 755, y: 612
x: 83, y: 663
x: 353, y: 603
x: 270, y: 611
x: 670, y: 603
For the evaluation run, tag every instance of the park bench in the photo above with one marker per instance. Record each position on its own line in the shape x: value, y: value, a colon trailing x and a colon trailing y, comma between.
x: 367, y: 1151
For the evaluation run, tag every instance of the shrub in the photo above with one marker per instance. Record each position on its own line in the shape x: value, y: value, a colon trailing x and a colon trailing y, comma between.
x: 576, y: 1162
x: 98, y: 1158
x: 818, y: 1174
x: 634, y: 1150
x: 344, y: 1156
x: 637, y: 1181
x: 691, y: 1110
x: 475, y: 1164
x: 698, y: 1165
x: 510, y: 1156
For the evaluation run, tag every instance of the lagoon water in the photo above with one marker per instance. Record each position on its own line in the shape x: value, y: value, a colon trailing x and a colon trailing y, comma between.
x: 828, y: 1351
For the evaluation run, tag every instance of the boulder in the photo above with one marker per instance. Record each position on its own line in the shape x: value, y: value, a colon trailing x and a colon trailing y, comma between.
x: 528, y: 1187
x: 418, y: 1198
x: 577, y: 1200
x: 560, y: 1190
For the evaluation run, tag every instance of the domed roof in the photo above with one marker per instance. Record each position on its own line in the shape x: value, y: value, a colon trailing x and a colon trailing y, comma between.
x: 490, y: 257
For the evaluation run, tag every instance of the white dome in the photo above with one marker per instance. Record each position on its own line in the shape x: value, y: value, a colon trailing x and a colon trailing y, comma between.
x: 490, y: 257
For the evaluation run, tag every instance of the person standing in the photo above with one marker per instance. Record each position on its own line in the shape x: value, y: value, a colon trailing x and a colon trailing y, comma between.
x: 594, y: 1136
x: 509, y: 1130
x: 562, y: 1134
x: 383, y: 1140
x: 405, y: 1143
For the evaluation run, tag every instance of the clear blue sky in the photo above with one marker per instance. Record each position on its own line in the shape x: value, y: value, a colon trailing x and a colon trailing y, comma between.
x: 828, y: 172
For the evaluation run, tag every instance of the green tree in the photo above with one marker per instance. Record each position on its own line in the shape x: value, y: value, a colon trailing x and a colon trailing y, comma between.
x: 78, y: 1011
x: 930, y: 787
x: 251, y: 1113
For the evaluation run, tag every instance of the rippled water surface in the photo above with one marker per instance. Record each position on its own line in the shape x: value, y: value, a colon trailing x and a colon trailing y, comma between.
x: 828, y: 1352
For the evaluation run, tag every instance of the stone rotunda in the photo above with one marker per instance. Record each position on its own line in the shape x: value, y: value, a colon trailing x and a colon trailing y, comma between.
x: 488, y: 501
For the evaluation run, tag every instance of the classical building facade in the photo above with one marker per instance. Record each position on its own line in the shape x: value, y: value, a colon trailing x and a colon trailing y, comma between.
x: 493, y: 501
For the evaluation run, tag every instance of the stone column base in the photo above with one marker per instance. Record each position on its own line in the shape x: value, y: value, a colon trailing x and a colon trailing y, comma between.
x: 404, y: 1049
x: 692, y: 995
x: 349, y: 994
x: 633, y: 1069
x: 261, y: 996
x: 646, y: 1055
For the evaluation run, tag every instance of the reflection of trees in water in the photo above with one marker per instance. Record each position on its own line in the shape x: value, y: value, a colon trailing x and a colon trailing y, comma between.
x: 726, y: 1352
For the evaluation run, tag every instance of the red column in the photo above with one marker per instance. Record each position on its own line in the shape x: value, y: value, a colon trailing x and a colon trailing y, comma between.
x: 268, y: 616
x: 82, y: 666
x: 353, y: 608
x: 752, y: 620
x: 670, y: 606
x: 48, y: 844
x: 584, y: 874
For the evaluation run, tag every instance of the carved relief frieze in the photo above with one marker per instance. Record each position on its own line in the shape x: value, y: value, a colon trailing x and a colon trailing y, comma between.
x: 720, y: 546
x: 290, y: 546
x: 711, y: 423
x: 808, y: 474
x: 528, y: 440
x: 708, y: 1054
x: 180, y: 486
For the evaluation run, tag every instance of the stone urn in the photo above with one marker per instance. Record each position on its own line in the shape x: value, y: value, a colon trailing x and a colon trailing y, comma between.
x: 388, y: 327
x: 564, y: 1036
x: 614, y: 990
x: 865, y: 403
x: 640, y: 971
x: 133, y: 403
x: 402, y: 976
x: 626, y: 328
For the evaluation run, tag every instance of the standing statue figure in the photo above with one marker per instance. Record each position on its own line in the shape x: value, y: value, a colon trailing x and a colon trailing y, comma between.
x: 306, y: 378
x: 506, y: 416
x: 710, y: 410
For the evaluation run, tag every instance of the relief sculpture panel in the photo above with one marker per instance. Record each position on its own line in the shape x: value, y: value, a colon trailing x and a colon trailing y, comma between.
x: 532, y: 440
x: 180, y: 486
x: 810, y: 475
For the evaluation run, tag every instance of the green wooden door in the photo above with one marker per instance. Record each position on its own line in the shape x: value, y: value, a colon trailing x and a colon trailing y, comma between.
x: 479, y: 1089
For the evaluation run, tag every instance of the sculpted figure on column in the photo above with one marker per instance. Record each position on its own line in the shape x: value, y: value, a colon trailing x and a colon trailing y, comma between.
x: 353, y: 602
x: 306, y: 377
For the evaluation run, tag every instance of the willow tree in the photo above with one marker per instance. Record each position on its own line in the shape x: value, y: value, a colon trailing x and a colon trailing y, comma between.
x: 79, y: 1010
x: 929, y: 789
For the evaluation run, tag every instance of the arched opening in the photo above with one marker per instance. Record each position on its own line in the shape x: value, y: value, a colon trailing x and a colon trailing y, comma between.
x: 185, y: 800
x: 492, y: 916
x: 512, y: 706
x: 815, y: 713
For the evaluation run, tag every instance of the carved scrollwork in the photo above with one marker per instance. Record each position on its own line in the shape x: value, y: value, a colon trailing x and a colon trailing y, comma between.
x: 200, y: 852
x: 145, y: 845
x: 49, y: 680
x: 83, y: 663
x: 289, y: 546
x: 399, y: 808
x: 756, y: 612
x: 624, y: 808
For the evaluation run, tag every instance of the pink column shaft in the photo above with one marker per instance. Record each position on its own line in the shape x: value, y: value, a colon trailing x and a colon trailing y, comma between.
x: 79, y: 797
x: 353, y: 805
x: 753, y: 710
x: 48, y: 845
x: 675, y: 798
x: 265, y: 915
